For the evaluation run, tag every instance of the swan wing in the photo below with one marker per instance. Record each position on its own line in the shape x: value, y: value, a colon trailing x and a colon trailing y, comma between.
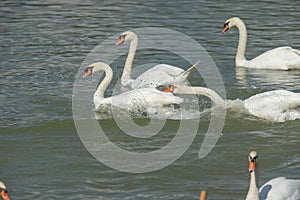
x: 155, y: 98
x: 280, y: 188
x: 283, y: 58
x: 158, y: 75
x: 168, y: 69
x: 277, y: 105
x: 144, y: 97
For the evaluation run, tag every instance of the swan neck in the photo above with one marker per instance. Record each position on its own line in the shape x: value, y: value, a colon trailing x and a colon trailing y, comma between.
x: 253, y: 191
x: 126, y: 76
x: 210, y: 94
x: 99, y: 94
x: 201, y: 91
x: 240, y: 54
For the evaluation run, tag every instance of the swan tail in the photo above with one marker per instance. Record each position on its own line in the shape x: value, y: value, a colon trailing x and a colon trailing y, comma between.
x: 186, y: 74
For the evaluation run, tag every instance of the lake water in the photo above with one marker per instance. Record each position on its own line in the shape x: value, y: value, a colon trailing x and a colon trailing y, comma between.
x: 44, y: 43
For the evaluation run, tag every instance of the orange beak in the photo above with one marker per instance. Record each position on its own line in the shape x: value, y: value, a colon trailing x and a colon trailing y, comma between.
x: 170, y: 89
x: 252, y: 164
x: 87, y: 73
x: 121, y: 40
x: 226, y: 27
x: 4, y: 194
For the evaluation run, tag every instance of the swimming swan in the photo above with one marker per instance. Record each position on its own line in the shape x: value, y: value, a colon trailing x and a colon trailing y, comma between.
x: 281, y: 58
x: 144, y: 97
x: 276, y: 105
x: 158, y: 75
x: 279, y: 188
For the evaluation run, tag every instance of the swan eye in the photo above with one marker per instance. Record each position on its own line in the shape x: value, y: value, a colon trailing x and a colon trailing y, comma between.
x: 122, y: 36
x: 226, y: 24
x: 253, y: 158
x: 4, y: 192
x: 88, y: 68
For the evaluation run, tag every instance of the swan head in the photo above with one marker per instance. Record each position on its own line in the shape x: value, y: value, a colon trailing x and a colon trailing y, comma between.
x: 126, y: 36
x: 98, y: 66
x: 171, y: 88
x: 252, y: 161
x: 3, y: 191
x: 166, y: 88
x: 232, y: 22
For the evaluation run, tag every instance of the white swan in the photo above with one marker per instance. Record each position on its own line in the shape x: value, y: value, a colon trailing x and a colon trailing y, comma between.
x: 3, y: 191
x: 275, y: 106
x: 281, y: 58
x: 253, y: 193
x: 279, y: 188
x: 143, y: 97
x: 158, y: 75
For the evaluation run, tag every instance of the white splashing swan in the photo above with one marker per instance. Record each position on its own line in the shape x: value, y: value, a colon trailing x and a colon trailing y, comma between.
x: 158, y: 75
x: 281, y: 58
x: 275, y: 106
x: 143, y: 97
x: 3, y: 191
x: 279, y: 188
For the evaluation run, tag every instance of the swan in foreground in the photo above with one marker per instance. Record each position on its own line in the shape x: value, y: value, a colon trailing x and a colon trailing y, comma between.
x: 158, y: 75
x: 279, y: 188
x: 275, y: 106
x: 281, y: 58
x: 143, y: 97
x: 3, y: 191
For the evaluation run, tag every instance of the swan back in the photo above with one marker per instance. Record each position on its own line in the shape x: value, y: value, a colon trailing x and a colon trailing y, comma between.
x: 145, y: 97
x: 276, y: 106
x: 158, y: 75
x: 139, y: 99
x: 283, y: 58
x: 280, y: 188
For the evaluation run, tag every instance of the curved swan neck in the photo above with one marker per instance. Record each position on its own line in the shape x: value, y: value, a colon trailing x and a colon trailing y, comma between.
x: 126, y: 76
x: 240, y: 54
x: 99, y: 94
x: 253, y: 191
x: 182, y: 89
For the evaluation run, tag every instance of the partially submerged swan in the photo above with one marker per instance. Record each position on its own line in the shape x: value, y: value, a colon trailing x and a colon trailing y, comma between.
x: 279, y: 188
x: 158, y: 75
x: 276, y: 105
x: 282, y: 58
x: 143, y: 97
